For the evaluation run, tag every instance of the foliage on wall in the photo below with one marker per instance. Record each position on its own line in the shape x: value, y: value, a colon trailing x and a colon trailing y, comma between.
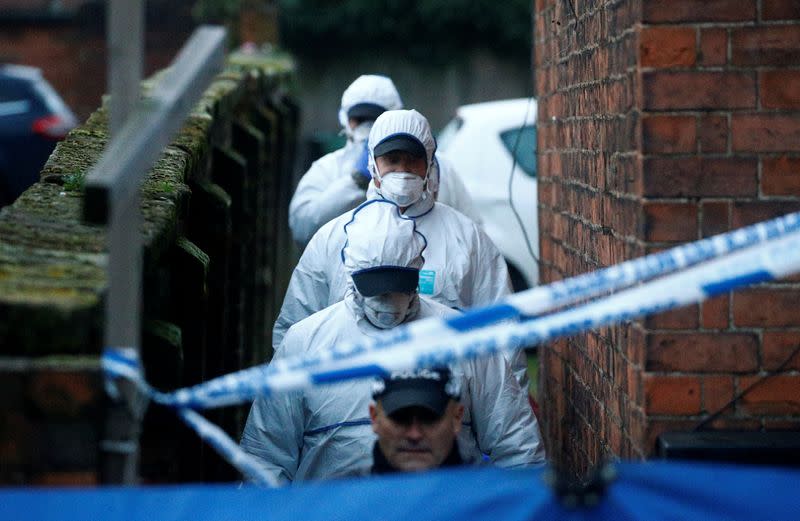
x: 424, y: 28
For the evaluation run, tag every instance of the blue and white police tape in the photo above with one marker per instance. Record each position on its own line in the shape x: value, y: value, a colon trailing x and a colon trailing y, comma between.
x: 471, y: 338
x: 558, y: 294
x: 767, y: 261
x: 543, y: 299
x: 532, y: 302
x: 227, y: 448
x: 122, y: 362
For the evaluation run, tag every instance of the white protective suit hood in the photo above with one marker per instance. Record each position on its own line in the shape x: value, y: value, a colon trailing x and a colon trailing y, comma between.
x: 324, y: 432
x: 381, y: 242
x: 369, y: 88
x: 413, y: 124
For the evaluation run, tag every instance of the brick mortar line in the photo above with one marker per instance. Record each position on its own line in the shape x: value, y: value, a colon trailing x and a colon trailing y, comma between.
x: 57, y: 363
x: 728, y: 45
x: 752, y: 330
x: 593, y: 11
x: 720, y: 199
x: 605, y: 80
x: 626, y: 196
x: 722, y: 68
x: 709, y: 199
x: 600, y: 116
x: 749, y: 24
x: 729, y: 134
x: 767, y: 112
x: 594, y: 151
x: 583, y: 152
x: 603, y: 116
x: 578, y: 378
x: 747, y: 374
x: 671, y: 244
x: 627, y: 239
x: 759, y: 347
x: 713, y: 155
x: 717, y: 68
x: 602, y: 44
x: 584, y: 255
x: 562, y: 61
x: 774, y: 198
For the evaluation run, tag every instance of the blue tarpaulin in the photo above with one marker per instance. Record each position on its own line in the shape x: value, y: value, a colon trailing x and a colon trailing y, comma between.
x: 652, y: 490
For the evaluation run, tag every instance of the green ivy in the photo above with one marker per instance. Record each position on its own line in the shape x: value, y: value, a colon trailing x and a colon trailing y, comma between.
x: 74, y: 182
x: 429, y: 29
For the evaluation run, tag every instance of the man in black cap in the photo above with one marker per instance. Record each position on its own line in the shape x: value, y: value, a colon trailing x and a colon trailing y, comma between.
x: 417, y: 417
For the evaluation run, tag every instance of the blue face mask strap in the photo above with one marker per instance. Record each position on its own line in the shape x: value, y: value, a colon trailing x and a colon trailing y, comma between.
x: 424, y: 240
x: 435, y: 159
x: 353, y: 218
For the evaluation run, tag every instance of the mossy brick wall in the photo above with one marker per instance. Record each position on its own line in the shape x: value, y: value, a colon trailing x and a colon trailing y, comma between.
x: 660, y: 123
x: 217, y: 252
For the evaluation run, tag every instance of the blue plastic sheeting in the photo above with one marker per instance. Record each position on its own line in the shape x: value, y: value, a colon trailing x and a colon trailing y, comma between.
x: 641, y: 491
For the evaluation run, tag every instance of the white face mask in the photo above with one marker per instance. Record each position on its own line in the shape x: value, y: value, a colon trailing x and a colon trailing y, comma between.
x: 388, y: 310
x: 361, y: 133
x: 402, y: 188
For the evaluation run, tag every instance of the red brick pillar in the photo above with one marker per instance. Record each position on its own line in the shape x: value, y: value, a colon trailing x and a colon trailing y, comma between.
x: 660, y: 123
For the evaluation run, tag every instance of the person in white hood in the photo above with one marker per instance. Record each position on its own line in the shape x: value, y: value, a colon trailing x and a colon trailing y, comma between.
x: 325, y: 432
x: 337, y: 182
x: 462, y: 269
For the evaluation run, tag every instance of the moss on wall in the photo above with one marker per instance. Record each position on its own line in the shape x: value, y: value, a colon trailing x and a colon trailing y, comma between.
x: 52, y: 265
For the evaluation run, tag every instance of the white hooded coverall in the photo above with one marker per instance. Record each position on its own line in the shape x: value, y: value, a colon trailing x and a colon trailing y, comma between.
x: 462, y: 269
x: 327, y: 190
x: 325, y: 432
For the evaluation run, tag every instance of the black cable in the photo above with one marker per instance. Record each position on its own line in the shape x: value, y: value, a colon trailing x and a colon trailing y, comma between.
x: 511, y: 183
x: 747, y: 390
x: 514, y: 165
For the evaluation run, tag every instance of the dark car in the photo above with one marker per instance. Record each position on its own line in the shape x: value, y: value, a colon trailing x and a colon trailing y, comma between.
x: 32, y: 119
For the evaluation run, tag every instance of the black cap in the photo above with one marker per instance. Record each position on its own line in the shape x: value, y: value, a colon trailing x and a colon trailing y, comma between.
x: 365, y: 111
x: 402, y: 142
x: 371, y: 282
x: 431, y: 389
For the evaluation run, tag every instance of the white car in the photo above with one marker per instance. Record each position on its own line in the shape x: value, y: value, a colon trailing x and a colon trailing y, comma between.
x: 481, y: 142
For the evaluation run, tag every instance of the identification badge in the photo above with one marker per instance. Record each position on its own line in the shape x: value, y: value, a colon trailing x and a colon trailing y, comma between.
x: 427, y: 281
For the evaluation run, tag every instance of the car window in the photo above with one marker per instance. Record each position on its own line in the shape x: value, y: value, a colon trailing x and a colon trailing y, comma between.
x: 51, y: 99
x: 13, y: 90
x: 14, y: 97
x: 521, y: 143
x: 446, y: 135
x: 13, y: 108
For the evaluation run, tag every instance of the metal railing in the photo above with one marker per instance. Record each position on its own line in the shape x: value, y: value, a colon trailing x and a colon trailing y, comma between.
x: 140, y: 130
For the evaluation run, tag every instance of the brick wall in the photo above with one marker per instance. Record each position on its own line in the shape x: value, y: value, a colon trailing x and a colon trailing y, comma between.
x: 69, y: 45
x: 664, y: 122
x: 215, y: 265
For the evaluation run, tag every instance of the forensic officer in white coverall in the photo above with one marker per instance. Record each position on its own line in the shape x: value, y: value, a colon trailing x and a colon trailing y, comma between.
x: 325, y: 432
x: 463, y: 268
x: 337, y: 182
